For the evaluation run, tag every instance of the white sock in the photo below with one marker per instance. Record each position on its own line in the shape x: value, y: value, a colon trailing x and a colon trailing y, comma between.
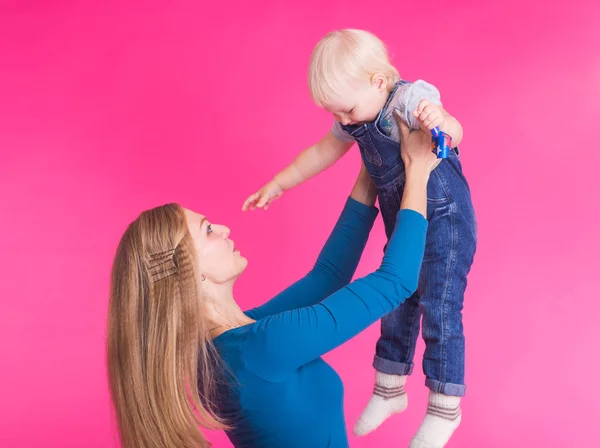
x: 442, y: 419
x: 389, y: 397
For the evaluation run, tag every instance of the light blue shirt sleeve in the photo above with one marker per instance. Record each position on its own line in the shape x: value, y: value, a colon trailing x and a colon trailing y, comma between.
x: 407, y: 99
x: 340, y: 134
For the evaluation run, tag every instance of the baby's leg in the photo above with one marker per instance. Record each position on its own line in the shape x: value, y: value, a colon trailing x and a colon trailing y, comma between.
x: 396, y: 347
x: 393, y: 362
x: 448, y: 259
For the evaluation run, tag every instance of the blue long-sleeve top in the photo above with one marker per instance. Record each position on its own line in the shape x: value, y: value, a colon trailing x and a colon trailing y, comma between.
x: 277, y: 391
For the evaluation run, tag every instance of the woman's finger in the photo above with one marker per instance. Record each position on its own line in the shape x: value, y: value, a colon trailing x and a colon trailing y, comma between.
x: 404, y: 129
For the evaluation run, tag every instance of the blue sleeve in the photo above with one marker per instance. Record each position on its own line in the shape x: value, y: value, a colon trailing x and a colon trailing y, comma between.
x: 334, y: 267
x: 276, y: 345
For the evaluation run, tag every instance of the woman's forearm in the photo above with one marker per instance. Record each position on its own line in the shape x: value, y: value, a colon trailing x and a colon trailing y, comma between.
x: 297, y: 336
x: 415, y: 188
x: 419, y: 161
x: 335, y: 265
x: 364, y: 189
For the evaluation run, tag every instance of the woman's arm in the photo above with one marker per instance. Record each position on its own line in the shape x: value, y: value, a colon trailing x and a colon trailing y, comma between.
x: 278, y: 344
x: 364, y: 189
x: 339, y: 257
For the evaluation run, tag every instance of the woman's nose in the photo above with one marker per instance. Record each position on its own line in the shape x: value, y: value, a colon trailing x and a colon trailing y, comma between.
x: 225, y: 231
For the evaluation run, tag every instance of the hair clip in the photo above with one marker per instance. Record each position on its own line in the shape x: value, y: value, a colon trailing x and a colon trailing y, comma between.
x: 161, y: 265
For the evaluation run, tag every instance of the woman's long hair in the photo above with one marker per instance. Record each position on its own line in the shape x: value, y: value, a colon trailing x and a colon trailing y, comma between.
x: 161, y: 360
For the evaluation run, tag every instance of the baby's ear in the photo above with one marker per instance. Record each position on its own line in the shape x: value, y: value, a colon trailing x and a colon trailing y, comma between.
x: 379, y: 80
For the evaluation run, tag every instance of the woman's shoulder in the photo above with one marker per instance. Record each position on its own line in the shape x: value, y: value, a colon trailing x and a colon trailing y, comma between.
x: 229, y: 347
x: 251, y: 349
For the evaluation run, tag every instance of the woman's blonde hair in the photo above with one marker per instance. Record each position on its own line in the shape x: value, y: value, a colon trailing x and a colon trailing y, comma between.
x: 161, y: 360
x: 344, y: 56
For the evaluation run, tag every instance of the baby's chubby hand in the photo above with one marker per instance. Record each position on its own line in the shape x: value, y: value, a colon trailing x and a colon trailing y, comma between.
x: 430, y: 115
x: 263, y: 197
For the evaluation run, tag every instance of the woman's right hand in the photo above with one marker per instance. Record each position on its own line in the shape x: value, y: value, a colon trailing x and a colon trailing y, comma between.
x: 419, y: 162
x: 416, y: 148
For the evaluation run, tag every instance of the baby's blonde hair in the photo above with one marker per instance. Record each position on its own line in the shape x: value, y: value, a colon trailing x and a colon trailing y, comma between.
x: 344, y: 56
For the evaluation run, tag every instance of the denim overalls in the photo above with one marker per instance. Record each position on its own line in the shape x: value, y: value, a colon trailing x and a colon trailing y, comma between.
x: 449, y: 252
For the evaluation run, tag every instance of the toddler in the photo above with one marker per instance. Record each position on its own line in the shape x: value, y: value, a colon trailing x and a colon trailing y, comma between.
x: 351, y: 77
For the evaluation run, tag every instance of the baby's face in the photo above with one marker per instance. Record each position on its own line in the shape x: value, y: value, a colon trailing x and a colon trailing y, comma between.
x: 361, y: 104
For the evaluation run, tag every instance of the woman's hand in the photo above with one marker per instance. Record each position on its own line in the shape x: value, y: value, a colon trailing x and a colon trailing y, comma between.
x: 364, y: 189
x: 416, y: 148
x: 419, y: 161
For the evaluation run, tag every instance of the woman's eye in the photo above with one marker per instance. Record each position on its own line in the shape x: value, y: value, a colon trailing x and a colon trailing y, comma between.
x: 209, y: 228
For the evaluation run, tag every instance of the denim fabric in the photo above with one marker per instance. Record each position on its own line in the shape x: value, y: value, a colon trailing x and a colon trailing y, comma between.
x: 449, y: 253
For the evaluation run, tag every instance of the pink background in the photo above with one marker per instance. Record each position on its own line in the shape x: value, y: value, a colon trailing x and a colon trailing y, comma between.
x: 108, y: 110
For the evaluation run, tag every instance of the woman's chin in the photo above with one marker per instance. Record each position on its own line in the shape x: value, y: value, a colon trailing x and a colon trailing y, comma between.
x: 243, y: 263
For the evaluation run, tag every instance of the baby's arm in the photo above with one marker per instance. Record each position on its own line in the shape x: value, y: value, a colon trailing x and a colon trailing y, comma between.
x: 452, y: 127
x: 310, y: 162
x: 420, y: 105
x: 431, y: 115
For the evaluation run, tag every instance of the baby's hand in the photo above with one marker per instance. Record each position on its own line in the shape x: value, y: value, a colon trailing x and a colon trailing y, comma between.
x: 430, y: 115
x: 263, y: 197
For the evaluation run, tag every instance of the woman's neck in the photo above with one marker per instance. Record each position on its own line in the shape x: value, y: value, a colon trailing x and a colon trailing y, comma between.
x: 224, y: 313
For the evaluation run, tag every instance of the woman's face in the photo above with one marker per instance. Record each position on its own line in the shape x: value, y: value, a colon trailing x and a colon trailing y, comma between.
x: 216, y: 255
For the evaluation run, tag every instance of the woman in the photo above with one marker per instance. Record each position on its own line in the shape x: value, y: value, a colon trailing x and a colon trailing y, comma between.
x: 182, y: 353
